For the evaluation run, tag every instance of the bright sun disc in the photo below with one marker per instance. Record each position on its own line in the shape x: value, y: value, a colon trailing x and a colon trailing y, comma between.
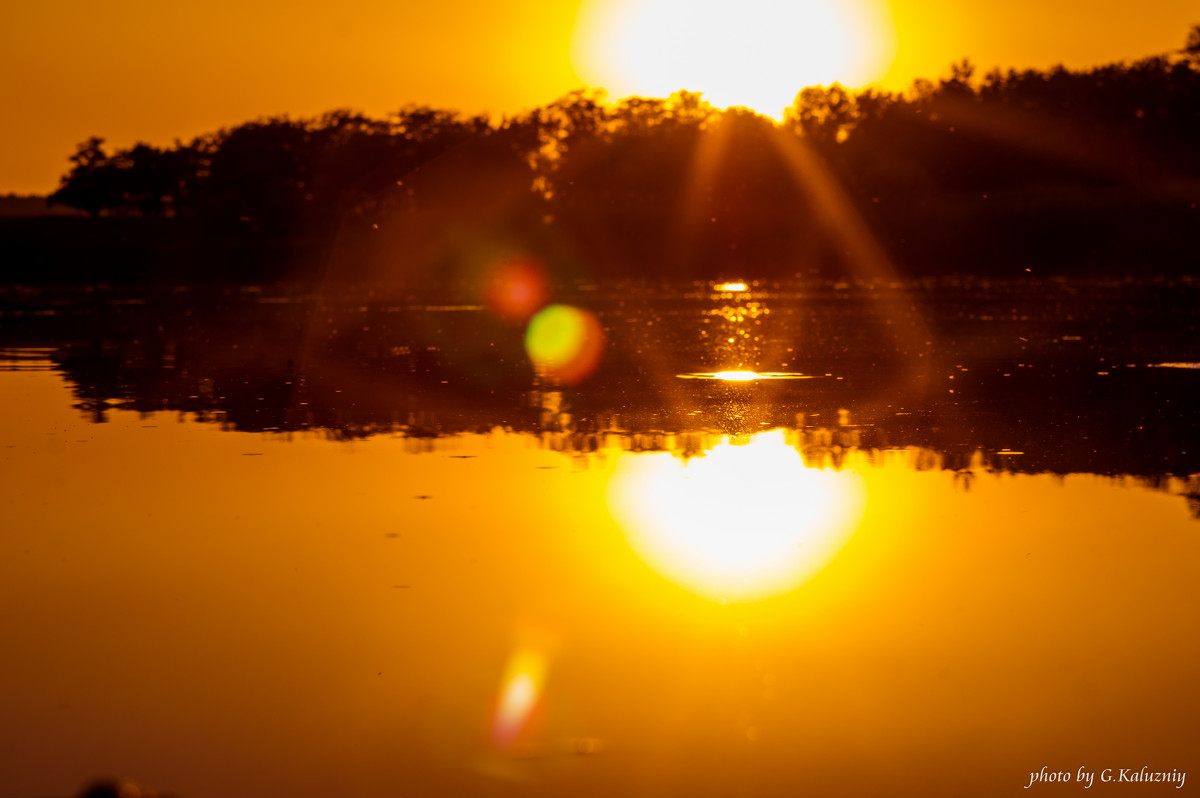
x: 753, y: 53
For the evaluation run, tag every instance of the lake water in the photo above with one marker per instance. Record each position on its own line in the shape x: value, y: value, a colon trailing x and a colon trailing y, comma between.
x: 797, y: 539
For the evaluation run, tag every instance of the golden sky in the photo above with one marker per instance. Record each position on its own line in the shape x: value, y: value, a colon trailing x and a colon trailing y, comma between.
x: 143, y: 70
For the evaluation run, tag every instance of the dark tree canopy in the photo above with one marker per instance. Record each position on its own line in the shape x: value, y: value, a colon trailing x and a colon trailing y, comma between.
x: 1038, y: 164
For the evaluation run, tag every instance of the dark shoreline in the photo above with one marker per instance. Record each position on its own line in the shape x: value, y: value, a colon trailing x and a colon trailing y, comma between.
x: 1113, y: 238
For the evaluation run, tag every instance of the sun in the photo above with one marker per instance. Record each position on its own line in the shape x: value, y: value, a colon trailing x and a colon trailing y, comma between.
x: 752, y: 53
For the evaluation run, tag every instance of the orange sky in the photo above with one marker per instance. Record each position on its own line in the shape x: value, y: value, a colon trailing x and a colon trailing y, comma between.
x: 145, y: 70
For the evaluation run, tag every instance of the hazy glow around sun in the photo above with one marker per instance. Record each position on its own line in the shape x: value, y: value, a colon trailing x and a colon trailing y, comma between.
x: 753, y: 53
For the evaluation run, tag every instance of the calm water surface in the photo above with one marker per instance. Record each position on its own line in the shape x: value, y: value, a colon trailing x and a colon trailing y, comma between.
x: 640, y: 584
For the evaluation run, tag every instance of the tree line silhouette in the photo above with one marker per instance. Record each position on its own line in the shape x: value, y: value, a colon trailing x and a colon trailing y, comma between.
x: 1068, y: 170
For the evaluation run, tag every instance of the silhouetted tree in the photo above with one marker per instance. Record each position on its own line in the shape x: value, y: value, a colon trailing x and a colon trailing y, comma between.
x: 824, y: 114
x: 144, y: 179
x: 258, y: 175
x: 1191, y: 45
x: 89, y: 185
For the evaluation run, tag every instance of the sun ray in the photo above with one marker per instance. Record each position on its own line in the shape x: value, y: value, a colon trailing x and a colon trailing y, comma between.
x: 840, y: 217
x: 706, y: 158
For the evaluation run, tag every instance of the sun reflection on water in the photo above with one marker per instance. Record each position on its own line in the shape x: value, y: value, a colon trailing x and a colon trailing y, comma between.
x: 737, y: 376
x: 744, y: 376
x: 741, y: 523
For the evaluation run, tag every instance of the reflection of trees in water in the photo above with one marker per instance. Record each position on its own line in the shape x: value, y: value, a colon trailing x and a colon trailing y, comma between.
x: 1108, y: 439
x: 1044, y: 373
x: 582, y: 421
x: 1193, y: 502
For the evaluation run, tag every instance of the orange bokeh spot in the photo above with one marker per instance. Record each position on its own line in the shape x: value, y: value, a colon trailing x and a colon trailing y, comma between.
x: 516, y: 288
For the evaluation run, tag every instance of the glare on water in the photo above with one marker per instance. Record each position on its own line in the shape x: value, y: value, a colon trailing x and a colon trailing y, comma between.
x: 742, y: 522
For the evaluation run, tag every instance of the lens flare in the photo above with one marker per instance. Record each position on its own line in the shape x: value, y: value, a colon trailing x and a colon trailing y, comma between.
x: 516, y: 288
x: 740, y: 523
x: 566, y: 342
x: 520, y: 691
